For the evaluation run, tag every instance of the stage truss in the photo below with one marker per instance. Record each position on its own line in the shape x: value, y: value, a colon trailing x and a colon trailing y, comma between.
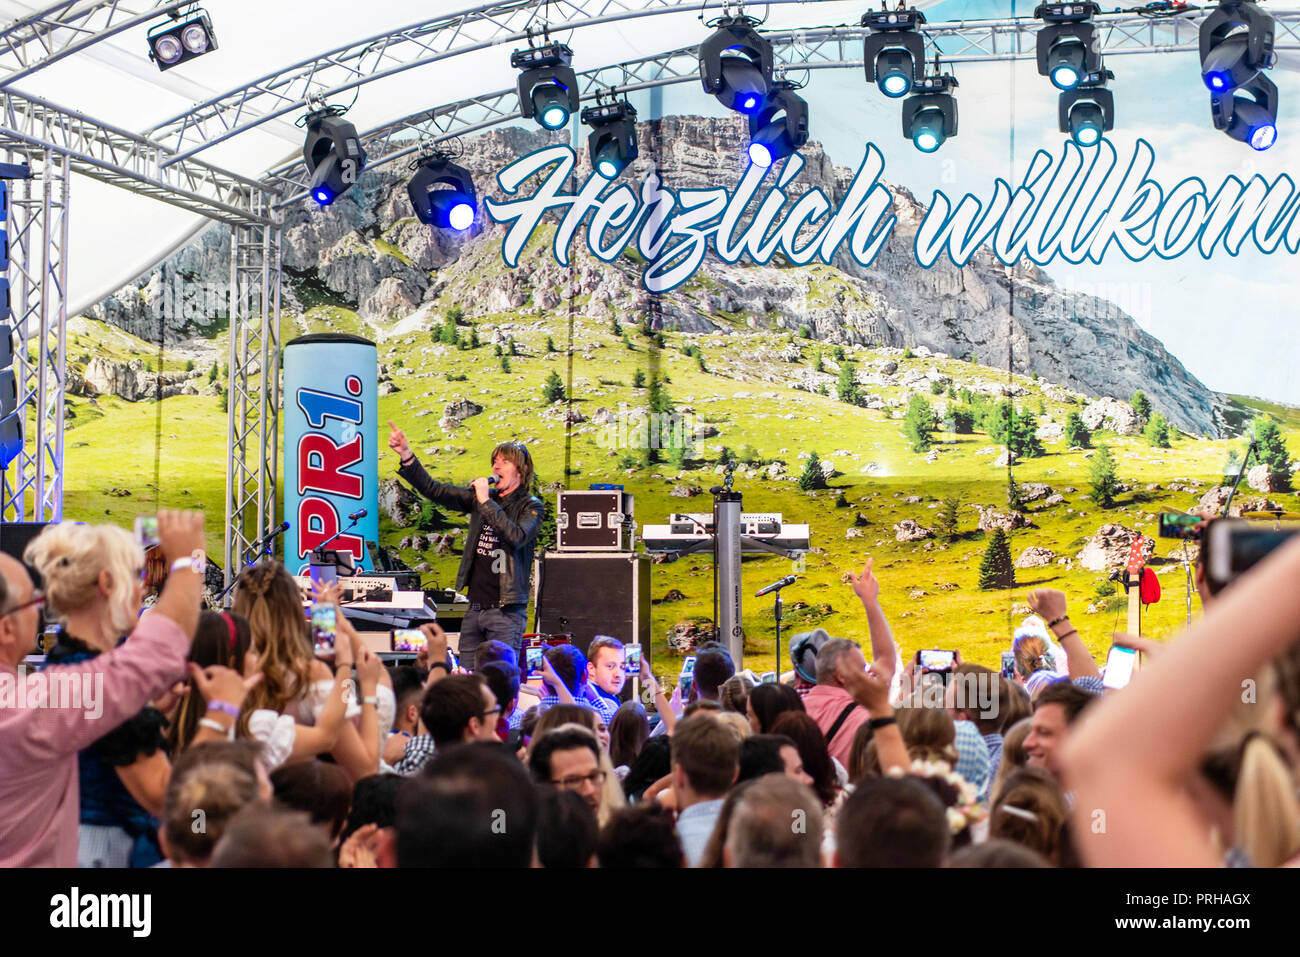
x: 162, y: 163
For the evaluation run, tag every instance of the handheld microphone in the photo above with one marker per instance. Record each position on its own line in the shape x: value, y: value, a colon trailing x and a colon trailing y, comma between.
x: 492, y: 481
x: 358, y: 515
x: 787, y: 580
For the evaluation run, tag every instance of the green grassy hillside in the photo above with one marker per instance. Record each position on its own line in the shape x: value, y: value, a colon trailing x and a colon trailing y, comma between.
x: 929, y: 589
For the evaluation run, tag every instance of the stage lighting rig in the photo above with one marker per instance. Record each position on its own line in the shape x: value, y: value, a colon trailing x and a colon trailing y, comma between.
x: 612, y: 142
x: 893, y: 53
x: 1248, y: 113
x: 780, y: 128
x: 1236, y: 42
x: 930, y: 114
x: 332, y: 154
x: 548, y: 87
x: 1068, y: 49
x: 736, y: 65
x: 183, y: 37
x: 442, y: 193
x: 1088, y: 110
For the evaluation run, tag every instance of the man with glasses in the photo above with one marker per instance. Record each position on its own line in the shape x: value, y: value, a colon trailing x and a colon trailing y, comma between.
x: 569, y: 758
x: 40, y: 737
x: 455, y: 710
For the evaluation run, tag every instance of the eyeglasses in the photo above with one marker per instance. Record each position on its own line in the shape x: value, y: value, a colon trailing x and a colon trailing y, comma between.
x: 37, y: 599
x: 488, y: 714
x: 595, y: 778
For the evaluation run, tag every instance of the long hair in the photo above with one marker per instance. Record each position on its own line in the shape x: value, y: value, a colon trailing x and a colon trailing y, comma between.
x: 811, y: 745
x: 222, y: 638
x: 627, y: 733
x: 517, y: 453
x: 270, y: 599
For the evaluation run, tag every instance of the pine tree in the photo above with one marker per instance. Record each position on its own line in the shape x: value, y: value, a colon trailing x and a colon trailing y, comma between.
x: 550, y: 344
x: 1015, y: 498
x: 505, y: 364
x: 1102, y: 478
x: 996, y: 570
x: 553, y: 389
x: 838, y: 353
x: 946, y: 519
x: 817, y: 362
x: 514, y: 349
x: 212, y: 373
x: 919, y: 424
x: 1273, y: 453
x: 1157, y: 432
x: 812, y: 477
x: 657, y: 397
x: 961, y: 419
x: 1015, y: 428
x: 638, y: 379
x: 847, y: 386
x: 614, y: 326
x: 1076, y: 433
x: 473, y: 337
x: 1141, y: 407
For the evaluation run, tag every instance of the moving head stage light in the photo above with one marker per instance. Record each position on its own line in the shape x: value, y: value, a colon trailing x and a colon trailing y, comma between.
x: 1067, y: 45
x: 930, y: 115
x: 1088, y: 111
x: 442, y: 193
x: 780, y: 128
x: 894, y: 53
x: 332, y: 154
x: 183, y: 37
x: 1248, y: 113
x: 736, y: 65
x: 548, y: 87
x: 612, y: 142
x: 1236, y: 42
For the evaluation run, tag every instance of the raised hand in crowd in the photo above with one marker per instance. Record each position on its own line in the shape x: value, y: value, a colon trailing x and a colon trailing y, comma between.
x: 361, y: 848
x: 397, y: 442
x: 662, y: 704
x: 180, y: 535
x: 871, y: 691
x: 866, y: 586
x: 219, y: 685
x: 1050, y: 605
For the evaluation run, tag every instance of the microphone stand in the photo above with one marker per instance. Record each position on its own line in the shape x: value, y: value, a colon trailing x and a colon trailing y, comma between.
x: 778, y: 603
x: 268, y: 541
x: 319, y: 550
x: 1245, y: 464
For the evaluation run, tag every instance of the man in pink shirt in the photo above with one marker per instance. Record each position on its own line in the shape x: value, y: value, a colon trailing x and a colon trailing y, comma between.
x: 829, y: 704
x: 47, y: 717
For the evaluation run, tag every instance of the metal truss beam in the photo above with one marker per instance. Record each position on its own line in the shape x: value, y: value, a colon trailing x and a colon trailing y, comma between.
x: 125, y: 159
x: 62, y: 29
x: 253, y: 390
x: 796, y: 50
x: 38, y: 245
x: 348, y: 67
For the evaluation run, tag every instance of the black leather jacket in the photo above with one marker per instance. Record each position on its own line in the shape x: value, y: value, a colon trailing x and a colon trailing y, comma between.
x: 516, y: 518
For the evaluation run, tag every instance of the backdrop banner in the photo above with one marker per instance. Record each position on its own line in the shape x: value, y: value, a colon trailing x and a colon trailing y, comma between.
x: 331, y: 462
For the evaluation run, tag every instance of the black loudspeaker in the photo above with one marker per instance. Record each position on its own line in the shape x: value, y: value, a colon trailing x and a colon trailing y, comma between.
x: 587, y: 594
x: 15, y: 536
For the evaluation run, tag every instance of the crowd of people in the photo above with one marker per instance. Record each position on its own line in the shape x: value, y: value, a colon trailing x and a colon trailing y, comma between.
x: 223, y: 739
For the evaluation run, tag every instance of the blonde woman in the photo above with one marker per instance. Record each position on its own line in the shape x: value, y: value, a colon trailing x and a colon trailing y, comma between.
x: 94, y: 585
x: 302, y: 688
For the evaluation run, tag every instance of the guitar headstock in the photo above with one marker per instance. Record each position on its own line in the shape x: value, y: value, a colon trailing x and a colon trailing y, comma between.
x: 1137, y: 558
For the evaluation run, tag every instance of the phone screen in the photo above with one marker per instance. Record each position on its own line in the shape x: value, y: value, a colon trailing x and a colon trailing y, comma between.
x: 688, y: 674
x: 533, y: 659
x: 769, y: 677
x: 146, y: 530
x: 1008, y: 664
x: 1119, y: 667
x: 935, y: 660
x: 409, y: 639
x: 323, y: 624
x: 632, y: 660
x: 1176, y: 525
x: 1233, y: 548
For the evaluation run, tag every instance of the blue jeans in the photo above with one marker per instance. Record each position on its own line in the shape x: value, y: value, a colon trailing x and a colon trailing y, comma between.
x: 490, y: 624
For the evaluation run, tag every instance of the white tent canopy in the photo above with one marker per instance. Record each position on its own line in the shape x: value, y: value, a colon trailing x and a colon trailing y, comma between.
x: 114, y: 82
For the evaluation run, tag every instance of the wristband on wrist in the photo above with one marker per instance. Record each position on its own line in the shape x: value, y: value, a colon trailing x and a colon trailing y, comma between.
x: 225, y: 707
x: 1056, y: 621
x: 371, y: 699
x: 406, y: 462
x: 212, y: 725
x: 440, y: 664
x: 877, y: 723
x: 194, y: 563
x: 1072, y: 631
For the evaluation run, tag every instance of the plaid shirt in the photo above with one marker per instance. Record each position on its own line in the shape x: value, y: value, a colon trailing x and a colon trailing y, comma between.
x: 973, y: 757
x: 419, y: 751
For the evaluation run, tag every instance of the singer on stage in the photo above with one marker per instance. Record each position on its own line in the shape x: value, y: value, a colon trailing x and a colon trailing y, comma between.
x: 498, y: 560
